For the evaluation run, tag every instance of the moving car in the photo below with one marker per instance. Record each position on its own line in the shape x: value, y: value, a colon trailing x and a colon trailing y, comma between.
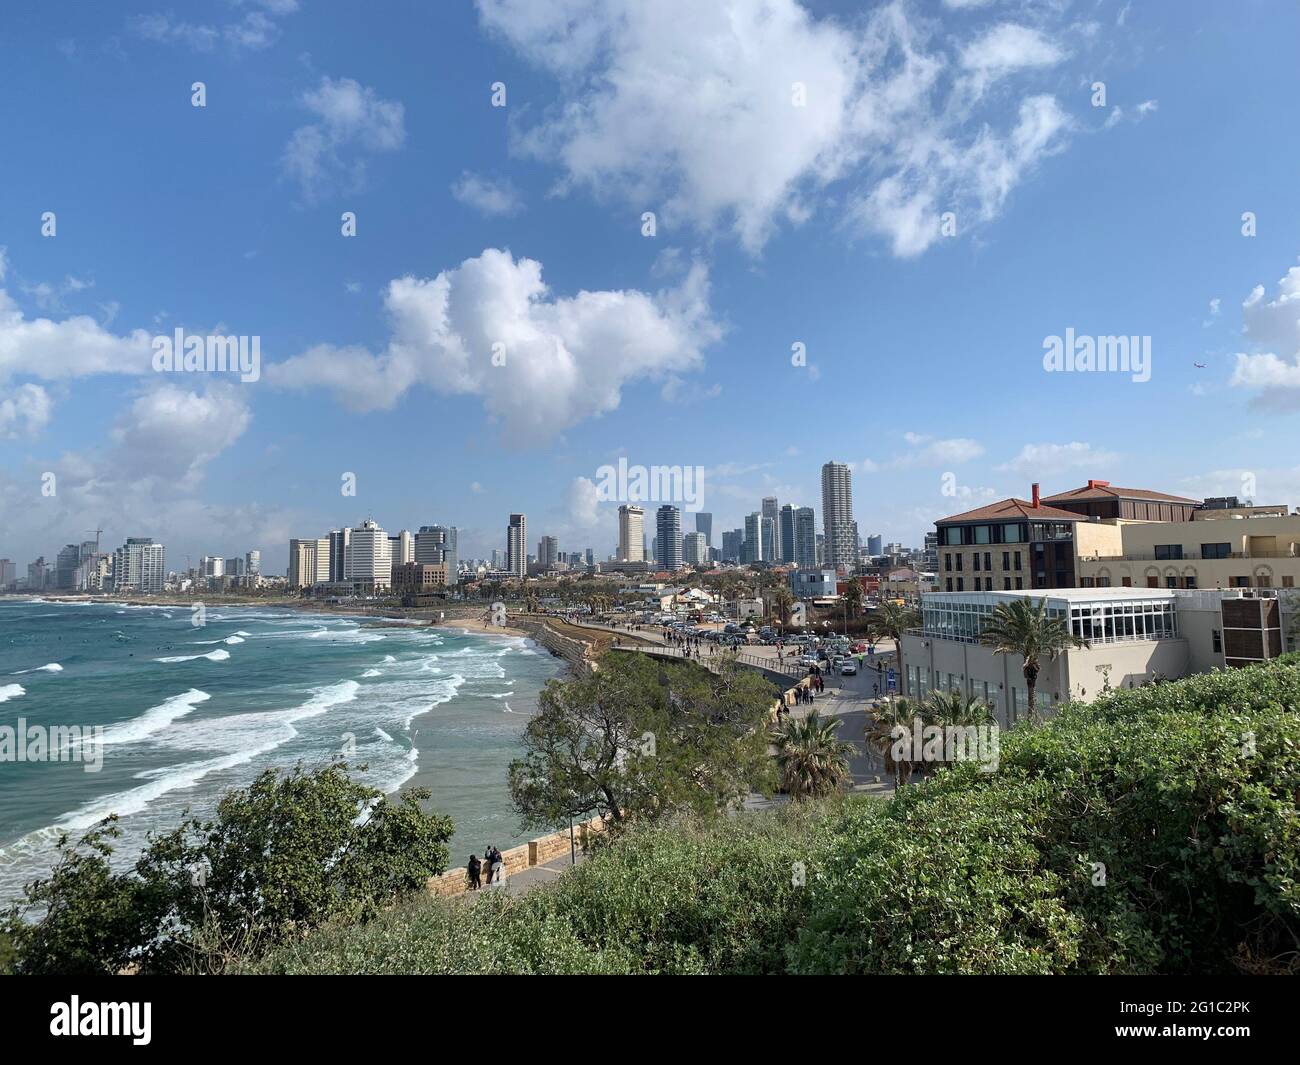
x: 849, y: 668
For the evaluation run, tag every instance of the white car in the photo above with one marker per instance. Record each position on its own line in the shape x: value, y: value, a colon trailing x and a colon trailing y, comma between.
x: 849, y: 669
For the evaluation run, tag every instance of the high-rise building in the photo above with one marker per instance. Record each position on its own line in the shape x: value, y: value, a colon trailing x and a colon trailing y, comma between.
x: 752, y: 550
x: 211, y: 566
x: 837, y: 515
x: 8, y: 572
x: 65, y: 567
x: 772, y: 512
x: 770, y: 540
x: 253, y: 563
x: 704, y: 524
x: 591, y: 557
x: 548, y: 552
x: 668, y: 527
x: 695, y: 549
x: 139, y: 565
x: 786, y: 530
x: 337, y: 555
x: 38, y: 574
x: 517, y: 545
x: 874, y: 542
x: 369, y: 561
x: 733, y: 543
x: 402, y: 547
x: 450, y: 538
x: 305, y: 562
x: 631, y: 534
x: 805, y: 538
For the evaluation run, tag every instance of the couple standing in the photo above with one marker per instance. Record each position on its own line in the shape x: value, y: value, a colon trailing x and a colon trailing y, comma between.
x: 494, y: 863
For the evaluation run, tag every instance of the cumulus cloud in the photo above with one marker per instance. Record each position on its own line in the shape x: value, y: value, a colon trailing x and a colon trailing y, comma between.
x: 926, y: 450
x: 24, y: 411
x: 72, y: 347
x: 1272, y: 324
x: 487, y: 196
x: 491, y: 328
x: 171, y: 434
x: 352, y: 123
x: 1047, y: 459
x: 741, y: 116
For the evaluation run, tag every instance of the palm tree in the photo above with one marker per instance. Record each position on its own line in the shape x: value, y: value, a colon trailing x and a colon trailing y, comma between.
x: 958, y: 709
x: 781, y: 601
x: 882, y: 733
x: 893, y: 620
x: 1022, y: 628
x: 811, y: 761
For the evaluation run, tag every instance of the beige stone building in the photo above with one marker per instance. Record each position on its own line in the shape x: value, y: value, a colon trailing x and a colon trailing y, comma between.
x: 1220, y: 549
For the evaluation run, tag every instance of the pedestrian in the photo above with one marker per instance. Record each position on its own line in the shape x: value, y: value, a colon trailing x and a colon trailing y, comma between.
x: 496, y: 865
x: 473, y: 869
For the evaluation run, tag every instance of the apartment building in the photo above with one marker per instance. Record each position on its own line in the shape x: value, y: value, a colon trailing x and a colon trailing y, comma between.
x: 1221, y: 548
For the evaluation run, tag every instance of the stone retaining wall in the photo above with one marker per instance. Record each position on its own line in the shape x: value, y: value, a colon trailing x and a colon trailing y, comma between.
x: 575, y: 652
x: 534, y: 852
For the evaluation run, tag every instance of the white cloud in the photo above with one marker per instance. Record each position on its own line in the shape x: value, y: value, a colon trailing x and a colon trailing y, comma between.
x: 352, y: 122
x: 1275, y: 326
x: 566, y: 359
x: 926, y: 450
x: 1043, y: 460
x: 73, y: 347
x: 488, y: 196
x: 24, y: 411
x: 254, y: 30
x: 1003, y: 50
x: 172, y: 434
x: 689, y: 109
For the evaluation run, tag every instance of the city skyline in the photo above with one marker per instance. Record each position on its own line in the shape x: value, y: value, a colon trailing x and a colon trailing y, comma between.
x: 825, y: 295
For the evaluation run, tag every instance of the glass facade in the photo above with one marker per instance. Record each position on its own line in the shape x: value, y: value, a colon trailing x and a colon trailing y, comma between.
x: 1103, y: 618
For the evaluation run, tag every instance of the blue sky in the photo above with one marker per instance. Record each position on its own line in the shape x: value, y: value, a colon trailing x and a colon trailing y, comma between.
x: 776, y: 224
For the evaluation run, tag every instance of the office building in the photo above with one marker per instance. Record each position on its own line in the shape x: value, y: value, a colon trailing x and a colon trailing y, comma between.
x: 401, y: 547
x: 704, y: 524
x: 733, y: 543
x: 752, y: 551
x: 874, y: 544
x: 805, y: 538
x: 695, y: 549
x: 786, y: 528
x: 548, y: 552
x: 336, y: 555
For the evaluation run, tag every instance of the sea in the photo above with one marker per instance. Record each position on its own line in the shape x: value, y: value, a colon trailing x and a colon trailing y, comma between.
x: 190, y: 712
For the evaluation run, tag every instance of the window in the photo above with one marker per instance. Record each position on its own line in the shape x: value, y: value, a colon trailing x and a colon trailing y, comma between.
x: 1241, y: 582
x: 1153, y: 582
x: 1006, y: 559
x: 1189, y: 582
x: 1288, y: 582
x: 1019, y: 583
x: 1017, y: 560
x: 1217, y: 637
x: 988, y: 584
x: 982, y: 534
x: 959, y: 563
x: 961, y: 585
x: 1168, y: 551
x: 952, y: 535
x: 1013, y: 533
x: 947, y: 561
x: 975, y: 562
x: 1006, y: 584
x: 948, y: 587
x: 1171, y: 582
x: 1216, y: 550
x: 988, y: 560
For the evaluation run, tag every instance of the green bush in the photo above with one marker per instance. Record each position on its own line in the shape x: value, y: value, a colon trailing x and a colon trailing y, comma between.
x: 288, y: 853
x: 1154, y: 831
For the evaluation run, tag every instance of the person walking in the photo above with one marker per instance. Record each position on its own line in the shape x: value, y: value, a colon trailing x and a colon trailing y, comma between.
x: 495, y: 865
x: 473, y: 869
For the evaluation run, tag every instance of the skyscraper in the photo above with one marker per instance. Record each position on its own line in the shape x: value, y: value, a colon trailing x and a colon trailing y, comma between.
x: 770, y: 534
x: 752, y: 551
x: 837, y: 515
x: 548, y: 552
x: 336, y: 562
x: 772, y: 512
x: 631, y: 534
x: 874, y: 542
x: 733, y: 543
x: 139, y: 566
x: 704, y: 524
x: 517, y: 545
x: 805, y: 538
x: 668, y: 529
x: 786, y: 528
x: 402, y: 547
x: 695, y: 550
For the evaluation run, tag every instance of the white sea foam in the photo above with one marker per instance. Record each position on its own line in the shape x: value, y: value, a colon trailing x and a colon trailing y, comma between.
x: 11, y: 691
x: 373, y: 673
x: 219, y: 655
x: 156, y: 718
x: 51, y: 667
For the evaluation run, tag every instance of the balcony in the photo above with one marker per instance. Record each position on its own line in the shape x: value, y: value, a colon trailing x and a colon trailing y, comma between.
x: 1189, y: 556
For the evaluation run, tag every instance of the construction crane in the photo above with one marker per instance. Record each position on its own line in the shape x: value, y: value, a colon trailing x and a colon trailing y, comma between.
x: 96, y: 532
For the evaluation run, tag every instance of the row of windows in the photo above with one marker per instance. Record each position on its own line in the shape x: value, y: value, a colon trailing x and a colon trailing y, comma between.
x: 1187, y: 580
x: 1175, y: 551
x: 953, y: 562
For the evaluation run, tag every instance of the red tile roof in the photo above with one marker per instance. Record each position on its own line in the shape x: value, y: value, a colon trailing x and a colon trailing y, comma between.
x: 1109, y: 491
x: 1013, y: 510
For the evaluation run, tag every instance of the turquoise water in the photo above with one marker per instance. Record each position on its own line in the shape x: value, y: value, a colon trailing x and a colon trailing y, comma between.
x: 191, y: 712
